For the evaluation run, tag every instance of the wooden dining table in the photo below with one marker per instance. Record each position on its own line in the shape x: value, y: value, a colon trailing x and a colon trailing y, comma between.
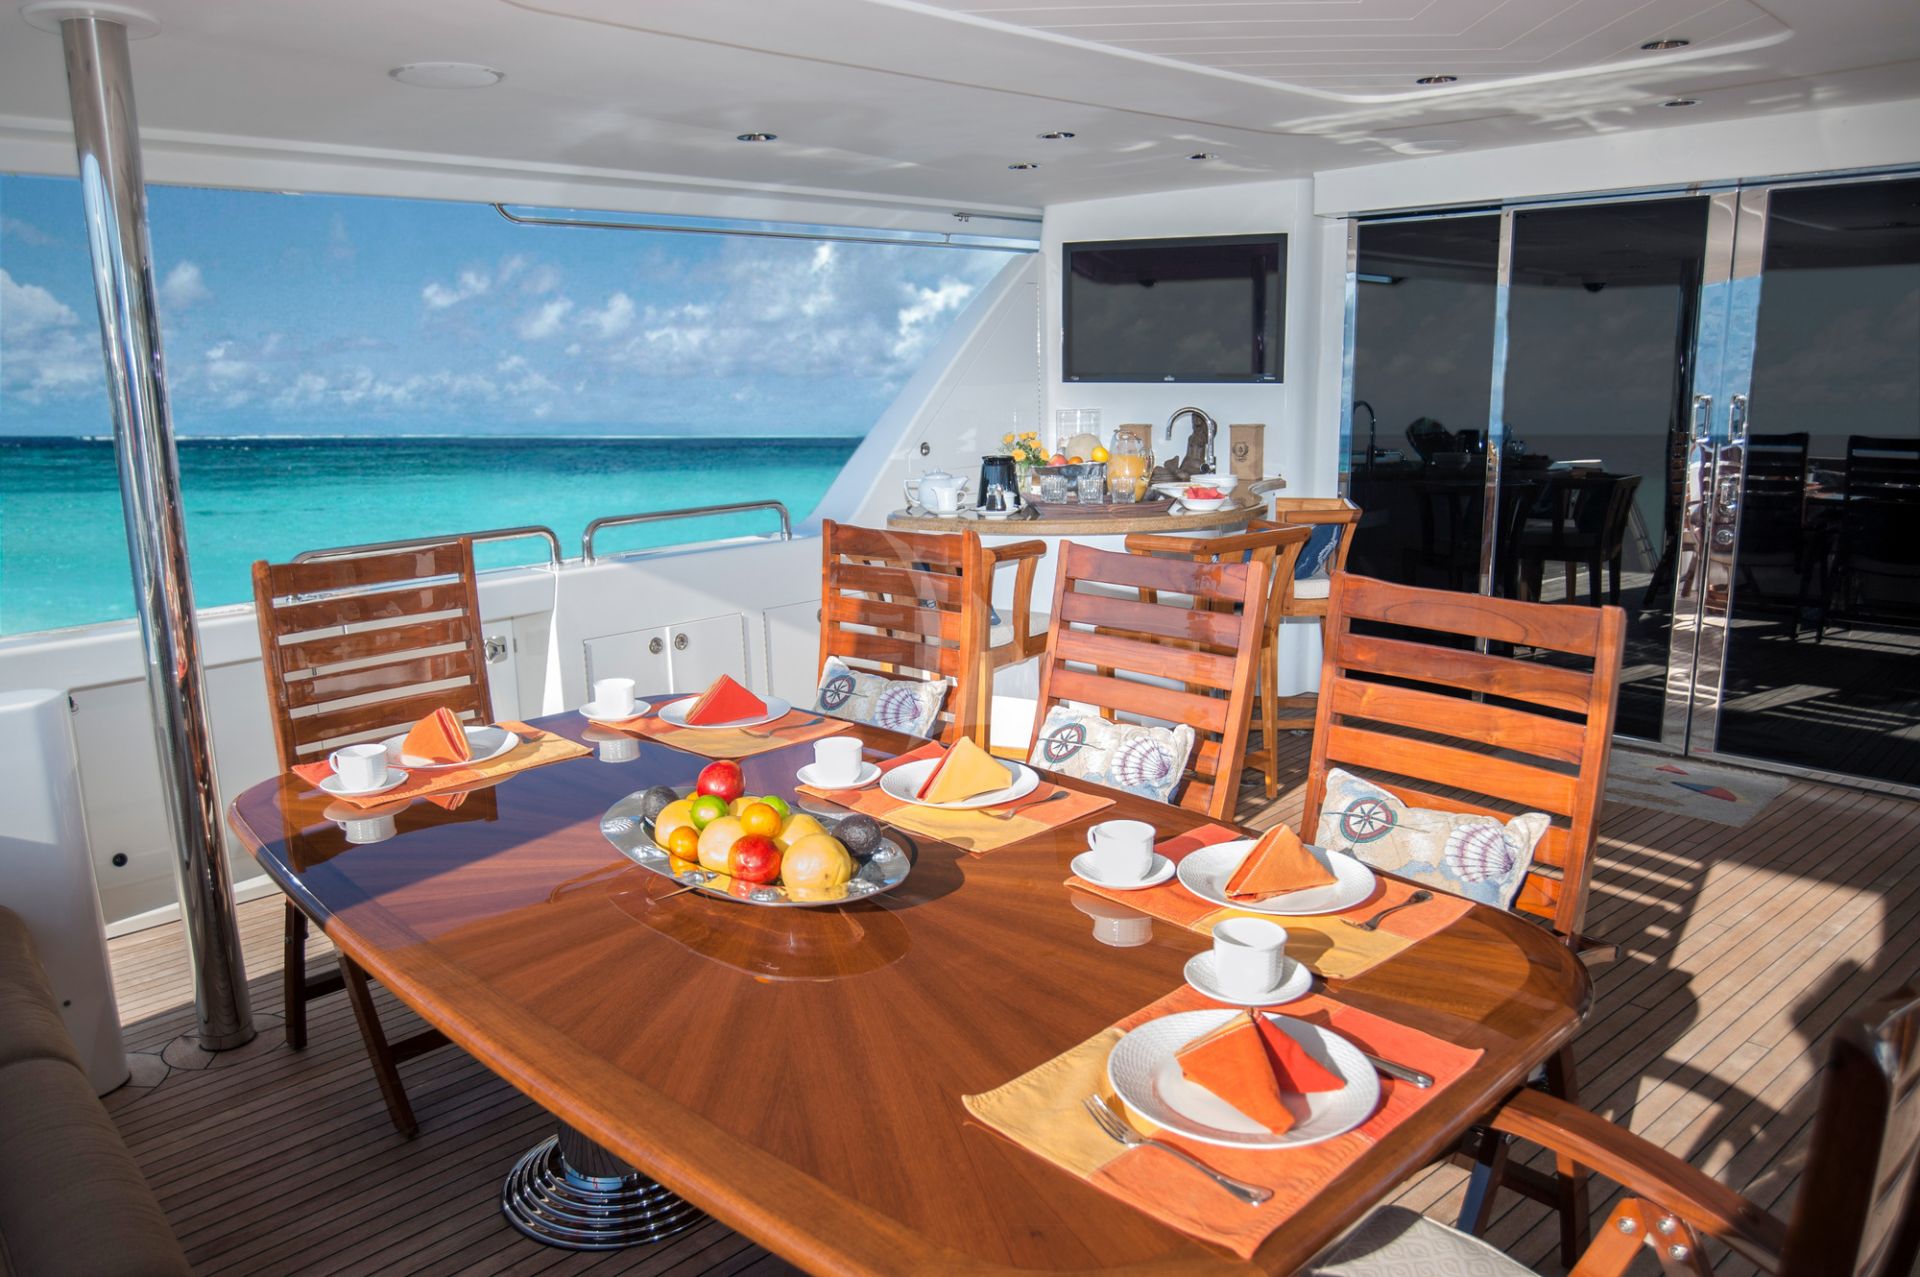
x: 798, y: 1073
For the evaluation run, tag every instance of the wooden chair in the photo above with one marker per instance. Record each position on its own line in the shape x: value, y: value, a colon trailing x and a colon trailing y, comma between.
x: 1277, y: 546
x: 1305, y: 596
x: 402, y: 628
x: 1588, y: 518
x: 1209, y: 645
x: 1448, y: 727
x: 919, y: 603
x: 1857, y: 1213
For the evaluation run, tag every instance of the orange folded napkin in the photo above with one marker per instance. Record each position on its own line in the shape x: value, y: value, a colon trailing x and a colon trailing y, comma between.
x: 1278, y: 863
x: 725, y: 702
x: 965, y: 771
x: 1252, y: 1064
x: 438, y: 738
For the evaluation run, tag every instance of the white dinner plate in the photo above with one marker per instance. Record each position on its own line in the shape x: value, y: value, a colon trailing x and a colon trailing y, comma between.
x: 869, y: 772
x: 1144, y: 1073
x: 675, y: 712
x: 393, y: 780
x: 1205, y: 873
x: 1159, y: 869
x: 904, y: 782
x: 484, y: 744
x: 592, y: 713
x: 1201, y: 973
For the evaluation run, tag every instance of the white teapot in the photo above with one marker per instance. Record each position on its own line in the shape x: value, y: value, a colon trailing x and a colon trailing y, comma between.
x: 937, y: 491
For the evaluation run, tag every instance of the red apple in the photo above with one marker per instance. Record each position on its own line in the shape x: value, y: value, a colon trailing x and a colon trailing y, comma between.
x: 754, y: 858
x: 722, y: 779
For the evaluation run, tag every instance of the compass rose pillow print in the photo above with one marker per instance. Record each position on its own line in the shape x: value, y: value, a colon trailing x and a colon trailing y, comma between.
x: 1148, y: 761
x: 1473, y: 856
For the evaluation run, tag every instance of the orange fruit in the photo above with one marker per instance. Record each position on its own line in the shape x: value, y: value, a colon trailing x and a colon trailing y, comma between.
x: 759, y: 818
x: 684, y: 843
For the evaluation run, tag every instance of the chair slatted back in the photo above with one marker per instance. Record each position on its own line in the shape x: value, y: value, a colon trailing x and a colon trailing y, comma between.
x: 910, y: 604
x: 1882, y: 467
x: 363, y: 647
x: 1525, y: 732
x: 1318, y: 512
x: 1858, y: 1209
x: 1275, y: 545
x: 1207, y: 639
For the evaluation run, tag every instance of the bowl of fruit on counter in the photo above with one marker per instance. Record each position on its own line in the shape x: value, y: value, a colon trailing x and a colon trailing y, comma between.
x: 757, y: 849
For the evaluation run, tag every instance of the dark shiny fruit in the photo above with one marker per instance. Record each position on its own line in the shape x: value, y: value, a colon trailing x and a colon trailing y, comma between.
x: 655, y: 801
x: 861, y: 835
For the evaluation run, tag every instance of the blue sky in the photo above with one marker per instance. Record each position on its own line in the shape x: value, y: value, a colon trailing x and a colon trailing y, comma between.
x: 336, y: 315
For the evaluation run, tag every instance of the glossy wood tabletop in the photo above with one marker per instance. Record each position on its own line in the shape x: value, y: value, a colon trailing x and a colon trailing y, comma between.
x: 798, y: 1072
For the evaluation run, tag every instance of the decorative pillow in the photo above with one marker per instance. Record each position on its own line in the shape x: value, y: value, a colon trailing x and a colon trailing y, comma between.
x: 1316, y: 556
x: 1473, y: 856
x: 909, y: 705
x: 1147, y: 761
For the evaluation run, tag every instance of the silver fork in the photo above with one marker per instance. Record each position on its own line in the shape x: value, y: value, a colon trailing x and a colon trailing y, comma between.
x: 1011, y: 812
x: 1116, y: 1126
x: 770, y: 735
x: 1373, y: 923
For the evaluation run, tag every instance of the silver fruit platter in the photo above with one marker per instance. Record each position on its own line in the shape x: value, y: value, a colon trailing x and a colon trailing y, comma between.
x: 876, y: 873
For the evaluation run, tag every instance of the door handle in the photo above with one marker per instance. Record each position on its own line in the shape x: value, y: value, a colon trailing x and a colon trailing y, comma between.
x: 1737, y: 418
x: 1702, y: 424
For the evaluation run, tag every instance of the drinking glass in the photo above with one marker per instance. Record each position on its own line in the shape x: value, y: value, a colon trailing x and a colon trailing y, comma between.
x: 1093, y: 484
x: 1055, y: 488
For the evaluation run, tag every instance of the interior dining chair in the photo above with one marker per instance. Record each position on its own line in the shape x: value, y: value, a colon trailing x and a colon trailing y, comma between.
x: 1857, y: 1213
x: 1105, y: 637
x: 1278, y: 546
x: 1434, y: 719
x: 1334, y: 522
x: 356, y: 649
x: 919, y: 604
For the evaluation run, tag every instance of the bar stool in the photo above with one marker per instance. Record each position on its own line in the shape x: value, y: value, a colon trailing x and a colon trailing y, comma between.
x: 1332, y: 522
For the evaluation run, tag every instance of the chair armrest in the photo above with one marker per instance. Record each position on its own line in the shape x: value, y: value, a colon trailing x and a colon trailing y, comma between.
x: 1016, y: 550
x: 1026, y: 555
x: 1646, y: 1171
x: 1167, y: 543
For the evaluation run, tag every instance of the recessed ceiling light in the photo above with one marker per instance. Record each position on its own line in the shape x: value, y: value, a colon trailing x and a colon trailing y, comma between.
x: 1661, y: 46
x: 1681, y: 102
x: 758, y: 137
x: 1437, y: 79
x: 1023, y: 167
x: 1057, y: 135
x: 1203, y: 155
x: 447, y: 75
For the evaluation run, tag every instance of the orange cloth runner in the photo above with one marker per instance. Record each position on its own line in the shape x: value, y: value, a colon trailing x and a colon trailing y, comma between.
x: 1323, y: 941
x: 536, y: 749
x: 732, y: 742
x: 972, y: 831
x: 1042, y: 1112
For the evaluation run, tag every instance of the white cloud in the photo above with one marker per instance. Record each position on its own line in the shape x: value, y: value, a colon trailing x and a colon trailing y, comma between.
x: 471, y: 283
x: 183, y: 287
x: 545, y: 320
x: 26, y: 232
x: 612, y: 319
x: 340, y: 245
x: 43, y: 347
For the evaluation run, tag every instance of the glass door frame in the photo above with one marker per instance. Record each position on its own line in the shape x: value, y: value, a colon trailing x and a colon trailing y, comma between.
x: 1725, y: 333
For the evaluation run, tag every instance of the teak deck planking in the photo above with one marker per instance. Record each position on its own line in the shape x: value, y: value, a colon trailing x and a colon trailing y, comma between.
x: 1744, y: 946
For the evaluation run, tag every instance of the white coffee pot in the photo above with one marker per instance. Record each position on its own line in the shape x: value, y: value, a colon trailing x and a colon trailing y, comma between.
x: 939, y: 491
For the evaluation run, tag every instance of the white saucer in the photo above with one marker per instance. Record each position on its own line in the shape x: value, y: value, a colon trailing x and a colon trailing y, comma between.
x: 1158, y: 871
x: 395, y: 778
x: 1297, y: 983
x: 869, y: 772
x: 592, y: 712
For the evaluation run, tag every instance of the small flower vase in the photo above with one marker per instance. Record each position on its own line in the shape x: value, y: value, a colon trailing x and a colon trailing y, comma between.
x: 1023, y: 480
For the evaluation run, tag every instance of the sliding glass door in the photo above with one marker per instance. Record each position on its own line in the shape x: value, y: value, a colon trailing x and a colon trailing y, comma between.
x: 1704, y: 409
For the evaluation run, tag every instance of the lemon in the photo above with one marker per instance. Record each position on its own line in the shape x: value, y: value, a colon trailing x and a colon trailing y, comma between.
x: 1098, y: 454
x: 798, y: 826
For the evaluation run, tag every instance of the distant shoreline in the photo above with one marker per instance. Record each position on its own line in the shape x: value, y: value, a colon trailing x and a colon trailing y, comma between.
x: 521, y: 440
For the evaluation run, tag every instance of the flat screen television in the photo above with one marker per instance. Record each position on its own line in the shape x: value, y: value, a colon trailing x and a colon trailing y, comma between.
x: 1198, y: 309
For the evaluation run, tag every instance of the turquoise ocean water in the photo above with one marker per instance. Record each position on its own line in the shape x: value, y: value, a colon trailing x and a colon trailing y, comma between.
x: 63, y: 552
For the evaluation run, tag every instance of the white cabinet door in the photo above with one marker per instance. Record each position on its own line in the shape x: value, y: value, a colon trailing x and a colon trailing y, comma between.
x: 793, y: 650
x: 700, y: 651
x: 640, y: 655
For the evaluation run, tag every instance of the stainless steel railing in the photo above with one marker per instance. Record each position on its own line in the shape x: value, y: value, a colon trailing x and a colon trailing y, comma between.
x: 692, y: 512
x: 491, y: 534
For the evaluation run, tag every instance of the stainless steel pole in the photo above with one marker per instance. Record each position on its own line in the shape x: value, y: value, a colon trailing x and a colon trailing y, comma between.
x: 106, y: 137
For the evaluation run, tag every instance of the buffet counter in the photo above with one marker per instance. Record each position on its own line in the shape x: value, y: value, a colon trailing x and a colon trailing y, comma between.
x: 1228, y: 518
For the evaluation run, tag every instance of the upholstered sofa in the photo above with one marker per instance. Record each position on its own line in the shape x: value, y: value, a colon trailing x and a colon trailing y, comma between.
x: 72, y: 1200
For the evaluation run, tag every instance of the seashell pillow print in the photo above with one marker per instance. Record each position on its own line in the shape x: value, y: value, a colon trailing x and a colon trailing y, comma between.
x: 1473, y: 856
x: 1148, y: 761
x: 909, y: 705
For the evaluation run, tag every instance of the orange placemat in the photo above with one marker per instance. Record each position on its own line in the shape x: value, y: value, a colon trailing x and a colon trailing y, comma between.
x: 1042, y: 1112
x: 536, y: 749
x: 973, y: 831
x: 791, y: 728
x: 1323, y: 941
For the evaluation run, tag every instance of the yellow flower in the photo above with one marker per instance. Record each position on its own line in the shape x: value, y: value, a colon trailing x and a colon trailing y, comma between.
x: 1006, y: 438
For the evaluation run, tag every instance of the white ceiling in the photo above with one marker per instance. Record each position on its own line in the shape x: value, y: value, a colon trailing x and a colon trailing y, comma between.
x: 924, y: 105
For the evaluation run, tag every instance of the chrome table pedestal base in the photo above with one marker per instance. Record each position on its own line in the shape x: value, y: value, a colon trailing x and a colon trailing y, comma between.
x: 569, y: 1192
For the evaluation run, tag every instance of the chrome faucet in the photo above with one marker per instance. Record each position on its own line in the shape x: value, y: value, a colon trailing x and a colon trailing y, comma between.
x: 1199, y: 458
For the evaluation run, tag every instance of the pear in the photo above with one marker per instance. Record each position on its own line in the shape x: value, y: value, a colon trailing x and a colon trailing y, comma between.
x: 798, y: 826
x: 815, y: 863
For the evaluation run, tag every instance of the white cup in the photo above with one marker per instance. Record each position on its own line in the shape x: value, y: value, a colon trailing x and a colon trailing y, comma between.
x: 359, y: 766
x: 624, y: 750
x: 1122, y: 849
x: 613, y: 697
x: 1249, y: 956
x: 836, y: 760
x: 370, y: 829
